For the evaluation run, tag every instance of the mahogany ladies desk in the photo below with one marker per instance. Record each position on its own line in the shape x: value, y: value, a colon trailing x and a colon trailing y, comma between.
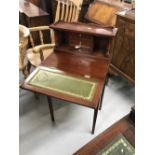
x: 83, y: 65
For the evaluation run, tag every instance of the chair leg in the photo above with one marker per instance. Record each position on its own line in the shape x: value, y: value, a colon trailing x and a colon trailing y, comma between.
x: 94, y: 118
x: 25, y: 72
x: 51, y: 108
x: 28, y: 67
x: 102, y: 95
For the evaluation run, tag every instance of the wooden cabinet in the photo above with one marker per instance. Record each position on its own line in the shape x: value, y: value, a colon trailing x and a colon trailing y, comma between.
x: 30, y: 15
x: 46, y: 5
x: 123, y: 60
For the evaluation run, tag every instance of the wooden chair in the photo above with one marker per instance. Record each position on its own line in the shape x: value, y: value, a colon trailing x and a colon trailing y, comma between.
x: 68, y: 11
x: 41, y: 50
x: 23, y: 42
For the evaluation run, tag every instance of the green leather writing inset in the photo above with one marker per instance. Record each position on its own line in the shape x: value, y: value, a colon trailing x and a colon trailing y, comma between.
x: 65, y: 84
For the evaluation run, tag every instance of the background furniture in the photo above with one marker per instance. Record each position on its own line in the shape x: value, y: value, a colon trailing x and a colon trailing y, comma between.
x: 51, y: 5
x: 84, y: 6
x: 108, y: 14
x: 23, y: 42
x: 103, y: 13
x: 84, y: 9
x: 45, y: 5
x: 30, y: 15
x: 123, y: 60
x: 125, y: 126
x: 40, y: 48
x: 81, y: 61
x: 68, y: 10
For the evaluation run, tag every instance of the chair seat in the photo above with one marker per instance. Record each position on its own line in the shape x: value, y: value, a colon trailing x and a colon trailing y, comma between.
x: 33, y: 55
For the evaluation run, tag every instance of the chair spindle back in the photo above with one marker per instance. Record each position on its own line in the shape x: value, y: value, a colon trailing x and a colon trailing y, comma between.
x: 68, y: 10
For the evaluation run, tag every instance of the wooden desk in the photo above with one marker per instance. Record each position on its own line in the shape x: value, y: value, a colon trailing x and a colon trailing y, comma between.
x: 125, y: 126
x: 72, y: 62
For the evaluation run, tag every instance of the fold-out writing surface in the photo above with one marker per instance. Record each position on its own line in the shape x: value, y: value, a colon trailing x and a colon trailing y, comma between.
x: 64, y: 84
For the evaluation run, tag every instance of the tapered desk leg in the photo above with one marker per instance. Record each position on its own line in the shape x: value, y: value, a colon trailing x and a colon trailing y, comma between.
x: 95, y: 117
x: 51, y: 108
x: 102, y: 95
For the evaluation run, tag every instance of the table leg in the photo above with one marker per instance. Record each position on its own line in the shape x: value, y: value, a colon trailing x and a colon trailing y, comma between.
x: 95, y: 117
x: 51, y: 108
x: 102, y: 95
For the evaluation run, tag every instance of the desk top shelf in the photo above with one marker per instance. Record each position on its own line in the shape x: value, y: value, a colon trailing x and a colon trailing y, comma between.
x: 83, y: 28
x: 84, y: 39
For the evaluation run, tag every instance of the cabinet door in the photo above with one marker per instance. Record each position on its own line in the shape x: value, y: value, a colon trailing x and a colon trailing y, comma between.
x: 124, y: 48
